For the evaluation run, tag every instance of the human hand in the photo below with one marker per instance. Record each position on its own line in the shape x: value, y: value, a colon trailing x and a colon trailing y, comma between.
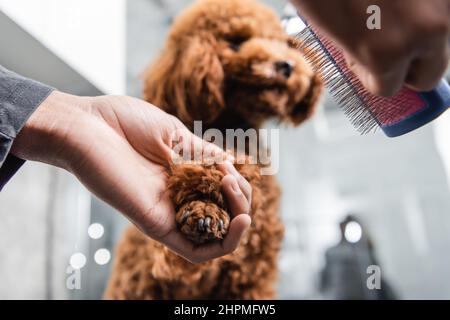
x: 411, y: 48
x: 120, y: 149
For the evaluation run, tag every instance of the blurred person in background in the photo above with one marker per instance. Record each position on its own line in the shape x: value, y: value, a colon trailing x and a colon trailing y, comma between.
x: 345, y: 275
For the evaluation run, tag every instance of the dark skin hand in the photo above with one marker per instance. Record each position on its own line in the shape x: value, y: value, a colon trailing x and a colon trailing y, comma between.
x: 412, y: 47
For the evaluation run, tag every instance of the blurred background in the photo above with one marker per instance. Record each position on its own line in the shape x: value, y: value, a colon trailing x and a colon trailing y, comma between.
x: 348, y: 201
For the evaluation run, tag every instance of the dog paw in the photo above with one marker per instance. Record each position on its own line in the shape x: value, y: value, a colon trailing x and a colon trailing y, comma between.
x: 202, y: 221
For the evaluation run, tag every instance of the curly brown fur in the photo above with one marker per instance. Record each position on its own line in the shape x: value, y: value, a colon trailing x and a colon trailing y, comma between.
x: 201, y: 208
x: 229, y: 64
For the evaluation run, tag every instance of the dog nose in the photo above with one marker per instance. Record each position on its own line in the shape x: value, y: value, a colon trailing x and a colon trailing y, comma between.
x: 284, y: 67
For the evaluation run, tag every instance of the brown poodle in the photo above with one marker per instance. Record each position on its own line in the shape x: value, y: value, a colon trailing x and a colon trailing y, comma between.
x: 229, y: 64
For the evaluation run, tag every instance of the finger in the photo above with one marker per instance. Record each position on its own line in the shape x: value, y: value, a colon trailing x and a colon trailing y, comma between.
x: 177, y: 242
x: 386, y: 83
x: 236, y: 199
x: 210, y: 151
x: 238, y: 228
x: 426, y: 72
x: 228, y: 168
x: 188, y: 146
x: 196, y: 149
x: 180, y: 146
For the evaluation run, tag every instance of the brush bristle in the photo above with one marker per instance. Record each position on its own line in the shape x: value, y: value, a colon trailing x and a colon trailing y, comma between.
x: 366, y: 111
x: 337, y: 81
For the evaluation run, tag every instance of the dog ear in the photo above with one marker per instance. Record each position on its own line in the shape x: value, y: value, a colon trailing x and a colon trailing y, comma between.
x: 305, y: 108
x: 187, y: 80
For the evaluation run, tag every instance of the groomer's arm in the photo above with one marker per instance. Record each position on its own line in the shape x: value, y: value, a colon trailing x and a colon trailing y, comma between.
x: 19, y: 98
x: 120, y: 148
x: 412, y: 46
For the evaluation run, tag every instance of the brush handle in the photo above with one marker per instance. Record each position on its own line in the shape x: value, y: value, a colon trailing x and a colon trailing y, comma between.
x: 434, y: 103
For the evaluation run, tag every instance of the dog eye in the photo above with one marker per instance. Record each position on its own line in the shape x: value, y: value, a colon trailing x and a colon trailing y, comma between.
x: 236, y: 43
x: 235, y: 46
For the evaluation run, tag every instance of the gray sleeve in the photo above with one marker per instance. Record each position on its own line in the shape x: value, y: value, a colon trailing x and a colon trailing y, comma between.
x: 19, y: 98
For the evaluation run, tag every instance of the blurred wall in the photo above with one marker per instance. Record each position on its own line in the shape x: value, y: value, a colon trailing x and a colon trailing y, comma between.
x: 88, y: 35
